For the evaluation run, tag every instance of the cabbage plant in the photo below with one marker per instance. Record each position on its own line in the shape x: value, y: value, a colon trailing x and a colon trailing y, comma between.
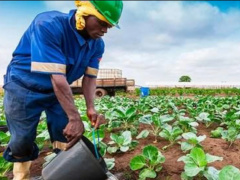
x: 192, y: 140
x: 121, y: 142
x: 170, y: 133
x: 231, y: 134
x: 124, y: 117
x: 196, y: 164
x: 186, y: 124
x: 228, y: 172
x: 217, y: 133
x: 156, y: 123
x: 204, y: 117
x: 149, y: 162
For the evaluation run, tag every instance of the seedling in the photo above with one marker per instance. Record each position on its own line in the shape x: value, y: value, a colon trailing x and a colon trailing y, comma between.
x: 149, y: 162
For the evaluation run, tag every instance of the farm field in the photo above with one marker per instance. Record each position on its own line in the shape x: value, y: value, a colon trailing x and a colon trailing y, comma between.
x: 159, y: 137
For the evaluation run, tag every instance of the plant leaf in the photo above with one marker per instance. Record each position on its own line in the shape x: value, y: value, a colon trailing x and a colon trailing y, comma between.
x: 120, y: 112
x: 137, y: 162
x: 112, y: 149
x: 160, y: 158
x: 211, y: 173
x: 185, y: 146
x: 199, y: 157
x: 186, y: 159
x: 124, y: 148
x: 210, y: 158
x: 193, y: 124
x: 114, y: 137
x: 147, y: 173
x: 130, y: 112
x: 150, y: 152
x: 146, y: 119
x: 143, y: 134
x: 189, y: 135
x: 185, y: 177
x: 127, y: 138
x: 229, y: 173
x: 201, y: 138
x: 191, y: 169
x: 166, y: 118
x: 155, y: 110
x: 110, y: 163
x: 165, y: 134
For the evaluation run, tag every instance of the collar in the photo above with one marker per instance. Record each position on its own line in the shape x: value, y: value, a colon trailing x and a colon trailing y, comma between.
x: 72, y: 23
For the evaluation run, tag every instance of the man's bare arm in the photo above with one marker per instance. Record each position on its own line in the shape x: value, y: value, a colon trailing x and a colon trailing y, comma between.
x: 75, y: 128
x: 89, y: 87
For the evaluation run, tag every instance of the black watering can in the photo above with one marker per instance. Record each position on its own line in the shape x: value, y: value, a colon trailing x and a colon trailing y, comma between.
x: 81, y: 162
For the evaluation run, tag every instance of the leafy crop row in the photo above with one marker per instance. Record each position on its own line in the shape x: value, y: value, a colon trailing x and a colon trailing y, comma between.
x: 173, y: 118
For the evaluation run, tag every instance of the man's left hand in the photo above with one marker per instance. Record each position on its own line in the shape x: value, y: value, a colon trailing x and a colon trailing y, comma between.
x: 95, y: 118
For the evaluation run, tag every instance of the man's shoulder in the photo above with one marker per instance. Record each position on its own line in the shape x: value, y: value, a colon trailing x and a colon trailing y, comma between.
x: 50, y: 16
x: 52, y: 13
x: 50, y: 20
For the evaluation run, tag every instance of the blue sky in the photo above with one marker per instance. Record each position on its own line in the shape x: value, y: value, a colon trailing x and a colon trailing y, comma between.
x: 225, y: 5
x: 158, y: 44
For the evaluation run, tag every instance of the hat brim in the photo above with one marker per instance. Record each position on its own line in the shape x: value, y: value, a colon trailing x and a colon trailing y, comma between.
x: 117, y: 26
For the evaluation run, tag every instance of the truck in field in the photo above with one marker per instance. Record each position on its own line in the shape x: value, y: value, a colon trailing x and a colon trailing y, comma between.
x: 108, y: 82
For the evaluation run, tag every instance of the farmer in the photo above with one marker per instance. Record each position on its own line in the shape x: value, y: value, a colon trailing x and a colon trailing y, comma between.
x: 56, y: 50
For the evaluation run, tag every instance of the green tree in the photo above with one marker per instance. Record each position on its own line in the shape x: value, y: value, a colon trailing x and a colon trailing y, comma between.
x: 185, y: 78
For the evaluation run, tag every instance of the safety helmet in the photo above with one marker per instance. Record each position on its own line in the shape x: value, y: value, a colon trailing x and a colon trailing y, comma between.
x: 111, y: 10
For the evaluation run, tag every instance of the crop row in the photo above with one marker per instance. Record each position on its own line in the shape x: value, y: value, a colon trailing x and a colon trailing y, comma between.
x: 172, y: 118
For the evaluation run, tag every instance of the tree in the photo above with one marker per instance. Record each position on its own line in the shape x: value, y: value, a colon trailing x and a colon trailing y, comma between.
x: 184, y: 79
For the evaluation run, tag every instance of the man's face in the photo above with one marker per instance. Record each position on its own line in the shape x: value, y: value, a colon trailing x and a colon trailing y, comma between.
x: 95, y: 27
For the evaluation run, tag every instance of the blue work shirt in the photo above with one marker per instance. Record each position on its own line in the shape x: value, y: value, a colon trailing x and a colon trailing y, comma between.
x: 52, y: 45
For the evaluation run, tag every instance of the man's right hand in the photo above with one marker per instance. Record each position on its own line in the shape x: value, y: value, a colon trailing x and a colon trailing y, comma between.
x: 73, y: 132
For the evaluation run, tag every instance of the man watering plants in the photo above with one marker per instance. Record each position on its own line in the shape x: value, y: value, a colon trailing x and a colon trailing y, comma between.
x: 55, y: 50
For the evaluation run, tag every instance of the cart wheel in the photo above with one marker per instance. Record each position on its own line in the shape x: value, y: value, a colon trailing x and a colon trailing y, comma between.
x: 100, y: 92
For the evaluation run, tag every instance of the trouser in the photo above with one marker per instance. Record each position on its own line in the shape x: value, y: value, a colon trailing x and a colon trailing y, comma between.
x: 23, y: 108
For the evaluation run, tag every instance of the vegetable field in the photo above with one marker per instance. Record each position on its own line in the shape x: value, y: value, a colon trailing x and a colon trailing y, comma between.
x: 158, y: 137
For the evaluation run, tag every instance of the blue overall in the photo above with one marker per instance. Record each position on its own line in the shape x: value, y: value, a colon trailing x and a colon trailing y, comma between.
x: 51, y: 45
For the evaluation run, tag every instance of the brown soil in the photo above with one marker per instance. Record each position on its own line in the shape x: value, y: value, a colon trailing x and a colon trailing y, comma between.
x: 171, y: 168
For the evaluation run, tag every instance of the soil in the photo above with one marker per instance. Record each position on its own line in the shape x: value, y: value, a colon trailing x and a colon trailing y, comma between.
x: 171, y: 168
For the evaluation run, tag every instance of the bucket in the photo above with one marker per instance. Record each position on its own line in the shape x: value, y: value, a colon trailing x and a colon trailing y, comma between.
x: 144, y: 91
x: 78, y: 163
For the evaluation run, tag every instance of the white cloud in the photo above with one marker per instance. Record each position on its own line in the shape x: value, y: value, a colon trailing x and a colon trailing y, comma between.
x: 213, y: 63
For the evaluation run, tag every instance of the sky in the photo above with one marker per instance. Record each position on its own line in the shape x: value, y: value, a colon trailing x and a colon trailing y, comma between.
x: 159, y: 41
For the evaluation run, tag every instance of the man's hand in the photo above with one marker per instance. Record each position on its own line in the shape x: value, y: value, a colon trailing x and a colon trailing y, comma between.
x: 95, y: 118
x: 73, y: 132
